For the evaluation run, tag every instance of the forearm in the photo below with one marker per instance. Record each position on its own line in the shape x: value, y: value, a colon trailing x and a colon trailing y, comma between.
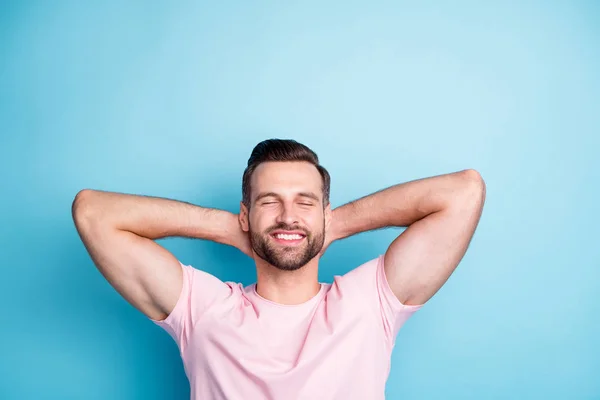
x: 403, y: 204
x: 154, y: 217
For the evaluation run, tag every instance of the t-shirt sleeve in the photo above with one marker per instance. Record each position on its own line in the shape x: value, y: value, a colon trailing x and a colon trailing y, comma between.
x: 198, y: 292
x: 370, y: 280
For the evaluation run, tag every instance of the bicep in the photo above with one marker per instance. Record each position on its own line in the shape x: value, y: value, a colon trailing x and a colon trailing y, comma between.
x: 423, y: 257
x: 144, y: 273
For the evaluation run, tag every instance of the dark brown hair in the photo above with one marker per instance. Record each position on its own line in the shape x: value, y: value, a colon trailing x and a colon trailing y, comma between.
x: 282, y: 150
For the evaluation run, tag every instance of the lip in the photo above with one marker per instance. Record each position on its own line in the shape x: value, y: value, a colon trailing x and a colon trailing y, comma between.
x: 301, y: 233
x: 285, y: 242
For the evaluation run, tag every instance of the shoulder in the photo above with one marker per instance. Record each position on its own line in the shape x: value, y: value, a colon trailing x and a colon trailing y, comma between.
x: 205, y: 290
x: 360, y: 283
x: 363, y: 275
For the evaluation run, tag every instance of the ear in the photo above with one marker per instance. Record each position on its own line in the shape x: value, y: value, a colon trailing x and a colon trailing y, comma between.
x: 328, y: 216
x: 243, y: 217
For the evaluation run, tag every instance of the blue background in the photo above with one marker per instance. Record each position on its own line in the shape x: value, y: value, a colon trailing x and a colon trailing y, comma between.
x: 169, y: 99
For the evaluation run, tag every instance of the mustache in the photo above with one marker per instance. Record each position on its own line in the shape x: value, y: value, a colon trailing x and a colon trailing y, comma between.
x: 285, y: 227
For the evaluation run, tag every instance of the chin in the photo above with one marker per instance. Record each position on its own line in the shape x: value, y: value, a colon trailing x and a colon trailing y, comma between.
x: 287, y: 264
x: 288, y: 267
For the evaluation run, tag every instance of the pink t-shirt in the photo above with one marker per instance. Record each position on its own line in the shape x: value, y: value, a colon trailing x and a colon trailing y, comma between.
x: 237, y: 345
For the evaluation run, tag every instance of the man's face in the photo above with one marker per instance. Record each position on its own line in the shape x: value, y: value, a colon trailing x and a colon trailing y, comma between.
x: 287, y: 221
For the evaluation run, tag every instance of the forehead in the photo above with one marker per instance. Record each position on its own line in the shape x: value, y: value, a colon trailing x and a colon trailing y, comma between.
x: 286, y: 178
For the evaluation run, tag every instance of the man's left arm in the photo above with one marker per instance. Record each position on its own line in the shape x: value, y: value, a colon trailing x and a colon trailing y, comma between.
x: 441, y: 214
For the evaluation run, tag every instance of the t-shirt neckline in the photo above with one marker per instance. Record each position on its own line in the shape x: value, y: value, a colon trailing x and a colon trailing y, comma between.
x: 290, y: 306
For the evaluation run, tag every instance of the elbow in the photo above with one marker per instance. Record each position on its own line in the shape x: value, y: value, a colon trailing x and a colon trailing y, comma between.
x: 80, y: 207
x: 473, y: 185
x: 473, y: 179
x: 472, y: 175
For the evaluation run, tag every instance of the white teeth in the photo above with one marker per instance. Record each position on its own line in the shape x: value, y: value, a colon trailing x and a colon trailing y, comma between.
x: 288, y: 237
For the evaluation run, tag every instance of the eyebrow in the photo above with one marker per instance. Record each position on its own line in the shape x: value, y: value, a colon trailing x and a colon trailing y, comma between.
x: 301, y: 194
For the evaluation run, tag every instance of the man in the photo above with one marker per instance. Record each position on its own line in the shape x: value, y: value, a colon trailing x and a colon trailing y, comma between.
x: 287, y: 336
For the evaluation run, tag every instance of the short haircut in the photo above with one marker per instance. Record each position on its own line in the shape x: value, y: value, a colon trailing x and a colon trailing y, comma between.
x: 282, y: 150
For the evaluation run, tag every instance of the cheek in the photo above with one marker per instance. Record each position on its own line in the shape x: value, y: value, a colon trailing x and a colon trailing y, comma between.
x: 315, y: 222
x: 260, y: 222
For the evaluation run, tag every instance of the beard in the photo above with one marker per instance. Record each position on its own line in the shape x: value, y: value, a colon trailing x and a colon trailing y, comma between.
x: 286, y: 258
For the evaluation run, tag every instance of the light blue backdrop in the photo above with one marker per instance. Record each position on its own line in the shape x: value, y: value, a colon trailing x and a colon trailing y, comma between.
x: 168, y: 100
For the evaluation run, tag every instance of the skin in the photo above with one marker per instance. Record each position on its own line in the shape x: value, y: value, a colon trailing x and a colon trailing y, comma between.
x: 288, y: 196
x: 440, y: 214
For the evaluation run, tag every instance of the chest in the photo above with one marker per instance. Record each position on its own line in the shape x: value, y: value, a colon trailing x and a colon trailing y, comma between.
x: 334, y: 351
x: 330, y: 336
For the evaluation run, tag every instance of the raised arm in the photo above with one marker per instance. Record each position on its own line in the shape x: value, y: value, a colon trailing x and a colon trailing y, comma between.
x: 118, y: 231
x: 441, y: 214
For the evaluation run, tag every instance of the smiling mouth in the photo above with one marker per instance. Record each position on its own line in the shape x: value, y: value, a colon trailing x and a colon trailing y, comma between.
x: 288, y: 239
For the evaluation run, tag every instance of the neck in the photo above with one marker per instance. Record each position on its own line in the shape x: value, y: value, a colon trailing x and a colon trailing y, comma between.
x: 287, y: 287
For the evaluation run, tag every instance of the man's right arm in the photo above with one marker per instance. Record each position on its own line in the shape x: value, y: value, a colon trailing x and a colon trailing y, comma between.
x: 118, y: 231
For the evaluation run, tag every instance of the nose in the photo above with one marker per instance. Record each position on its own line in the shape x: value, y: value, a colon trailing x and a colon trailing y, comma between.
x: 287, y: 215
